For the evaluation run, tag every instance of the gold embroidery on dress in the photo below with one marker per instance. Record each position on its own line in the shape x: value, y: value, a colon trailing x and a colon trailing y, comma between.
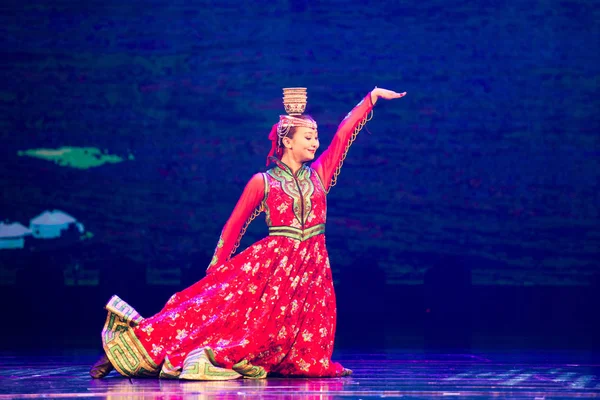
x: 168, y: 371
x: 290, y: 186
x: 122, y: 347
x: 200, y: 365
x: 265, y: 206
x: 215, y: 258
x: 249, y: 371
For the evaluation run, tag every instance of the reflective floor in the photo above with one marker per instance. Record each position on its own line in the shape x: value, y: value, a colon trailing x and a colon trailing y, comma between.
x: 391, y: 374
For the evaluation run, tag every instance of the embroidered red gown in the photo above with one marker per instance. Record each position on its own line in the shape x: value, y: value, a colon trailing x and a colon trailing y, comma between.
x: 269, y: 309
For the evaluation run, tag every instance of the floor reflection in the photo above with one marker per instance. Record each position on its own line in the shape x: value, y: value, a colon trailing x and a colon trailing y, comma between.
x: 418, y: 375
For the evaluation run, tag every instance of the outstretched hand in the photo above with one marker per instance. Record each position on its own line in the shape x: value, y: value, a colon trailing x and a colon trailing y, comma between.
x: 384, y: 94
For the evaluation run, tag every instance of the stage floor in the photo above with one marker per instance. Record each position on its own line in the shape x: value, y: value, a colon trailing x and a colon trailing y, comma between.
x: 409, y: 374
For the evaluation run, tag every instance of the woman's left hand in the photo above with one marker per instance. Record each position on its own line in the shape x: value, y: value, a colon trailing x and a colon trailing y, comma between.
x: 384, y: 94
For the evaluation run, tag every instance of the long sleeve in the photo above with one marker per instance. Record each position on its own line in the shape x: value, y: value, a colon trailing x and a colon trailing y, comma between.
x: 329, y: 163
x: 247, y: 207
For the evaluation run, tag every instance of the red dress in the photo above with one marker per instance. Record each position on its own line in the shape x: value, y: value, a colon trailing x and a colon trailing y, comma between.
x: 268, y: 310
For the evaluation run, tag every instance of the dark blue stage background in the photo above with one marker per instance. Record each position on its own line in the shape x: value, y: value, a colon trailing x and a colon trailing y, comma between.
x: 468, y: 217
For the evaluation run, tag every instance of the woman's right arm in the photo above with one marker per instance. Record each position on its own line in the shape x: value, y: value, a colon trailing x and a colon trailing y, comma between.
x: 245, y: 208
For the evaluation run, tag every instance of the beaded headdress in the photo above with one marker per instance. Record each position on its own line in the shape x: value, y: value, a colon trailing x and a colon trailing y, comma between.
x: 294, y: 103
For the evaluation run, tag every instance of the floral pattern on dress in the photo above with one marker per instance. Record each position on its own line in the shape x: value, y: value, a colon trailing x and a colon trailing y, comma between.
x: 273, y: 304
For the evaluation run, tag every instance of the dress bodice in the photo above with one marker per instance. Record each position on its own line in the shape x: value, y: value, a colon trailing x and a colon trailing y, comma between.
x: 294, y: 200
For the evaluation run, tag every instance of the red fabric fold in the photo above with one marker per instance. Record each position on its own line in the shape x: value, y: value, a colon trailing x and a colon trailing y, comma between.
x: 273, y: 138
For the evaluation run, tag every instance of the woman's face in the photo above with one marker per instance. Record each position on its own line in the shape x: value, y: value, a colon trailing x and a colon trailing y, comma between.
x: 304, y: 144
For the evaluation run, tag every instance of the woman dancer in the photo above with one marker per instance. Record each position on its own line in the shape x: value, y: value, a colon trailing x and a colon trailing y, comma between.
x: 271, y: 308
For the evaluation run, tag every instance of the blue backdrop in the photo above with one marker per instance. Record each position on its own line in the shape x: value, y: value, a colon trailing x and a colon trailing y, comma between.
x: 136, y: 125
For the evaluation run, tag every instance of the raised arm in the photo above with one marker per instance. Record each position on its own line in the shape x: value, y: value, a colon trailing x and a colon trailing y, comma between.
x: 247, y: 208
x: 329, y: 164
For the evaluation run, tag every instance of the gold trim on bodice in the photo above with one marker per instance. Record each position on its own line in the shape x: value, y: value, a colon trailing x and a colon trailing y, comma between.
x: 296, y: 233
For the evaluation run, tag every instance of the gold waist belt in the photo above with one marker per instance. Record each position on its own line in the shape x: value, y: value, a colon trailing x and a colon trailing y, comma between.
x: 297, y: 233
